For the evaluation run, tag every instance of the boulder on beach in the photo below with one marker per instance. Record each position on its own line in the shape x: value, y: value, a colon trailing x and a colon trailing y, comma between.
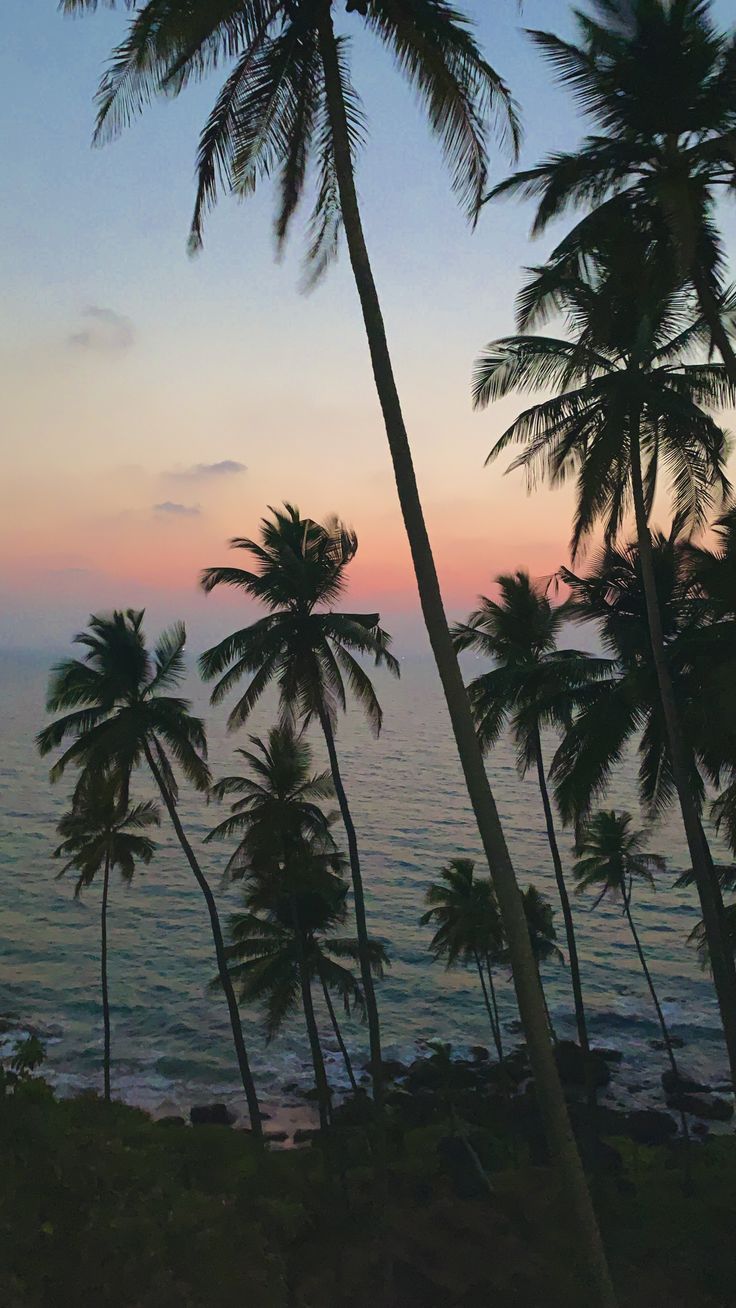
x: 479, y: 1053
x: 711, y: 1109
x: 676, y: 1042
x: 211, y: 1115
x: 571, y: 1065
x: 391, y: 1068
x: 305, y: 1134
x: 650, y: 1126
x: 674, y: 1083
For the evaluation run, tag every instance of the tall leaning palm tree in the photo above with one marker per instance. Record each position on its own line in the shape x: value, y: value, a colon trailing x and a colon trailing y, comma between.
x: 117, y: 713
x: 100, y: 833
x: 610, y: 861
x: 289, y: 103
x: 627, y: 402
x: 309, y: 651
x: 468, y: 929
x: 534, y: 685
x: 656, y: 78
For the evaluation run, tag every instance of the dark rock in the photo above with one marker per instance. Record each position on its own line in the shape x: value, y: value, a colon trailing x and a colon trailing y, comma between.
x: 674, y: 1083
x: 425, y: 1073
x: 305, y: 1134
x: 265, y: 1117
x: 171, y: 1120
x: 571, y: 1065
x: 479, y: 1053
x: 291, y: 1088
x: 650, y: 1126
x: 312, y: 1093
x: 609, y: 1055
x: 700, y: 1128
x: 514, y: 1027
x: 211, y: 1115
x: 460, y: 1163
x: 677, y: 1042
x: 713, y: 1109
x: 277, y: 1137
x: 391, y: 1068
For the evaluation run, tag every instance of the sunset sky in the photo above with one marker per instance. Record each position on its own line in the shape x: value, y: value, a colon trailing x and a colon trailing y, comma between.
x: 153, y: 405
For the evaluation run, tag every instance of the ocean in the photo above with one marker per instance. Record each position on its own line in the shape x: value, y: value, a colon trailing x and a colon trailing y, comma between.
x: 170, y: 1035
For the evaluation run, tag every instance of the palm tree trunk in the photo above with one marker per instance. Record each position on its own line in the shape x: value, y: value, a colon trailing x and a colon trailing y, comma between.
x: 712, y: 314
x: 660, y: 1017
x: 366, y: 975
x: 572, y: 948
x: 318, y: 1062
x: 103, y: 977
x: 491, y: 1017
x: 549, y: 1090
x: 246, y: 1075
x: 711, y: 903
x: 338, y: 1036
x: 548, y: 1015
x: 494, y: 1006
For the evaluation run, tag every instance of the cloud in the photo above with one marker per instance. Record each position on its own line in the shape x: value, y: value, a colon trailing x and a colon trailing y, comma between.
x: 106, y: 331
x: 178, y: 510
x: 225, y: 468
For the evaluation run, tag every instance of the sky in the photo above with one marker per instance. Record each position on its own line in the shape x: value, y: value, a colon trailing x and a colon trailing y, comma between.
x: 154, y: 405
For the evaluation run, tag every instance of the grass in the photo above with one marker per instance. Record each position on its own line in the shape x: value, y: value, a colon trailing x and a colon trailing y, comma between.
x: 101, y: 1206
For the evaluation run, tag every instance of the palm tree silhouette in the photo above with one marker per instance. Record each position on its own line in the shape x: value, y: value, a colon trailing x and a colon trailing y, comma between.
x: 611, y: 861
x: 656, y: 78
x: 99, y: 833
x: 543, y: 935
x: 288, y: 103
x: 309, y: 651
x: 469, y: 932
x: 534, y: 685
x: 118, y: 715
x: 627, y: 403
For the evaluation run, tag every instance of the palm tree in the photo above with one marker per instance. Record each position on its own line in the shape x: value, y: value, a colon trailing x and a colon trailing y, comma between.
x: 100, y: 832
x: 289, y: 102
x: 627, y: 403
x: 309, y: 651
x: 656, y: 78
x: 543, y: 935
x: 610, y: 861
x: 714, y: 569
x: 534, y: 685
x: 117, y: 714
x: 469, y: 931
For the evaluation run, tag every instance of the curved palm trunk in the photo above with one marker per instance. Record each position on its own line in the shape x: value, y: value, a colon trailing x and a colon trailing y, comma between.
x: 318, y: 1062
x: 712, y: 314
x: 338, y: 1036
x: 572, y: 948
x: 548, y: 1015
x: 246, y: 1075
x: 660, y: 1015
x: 494, y: 1006
x: 361, y: 926
x: 492, y: 1017
x: 103, y: 978
x: 711, y: 902
x: 549, y: 1090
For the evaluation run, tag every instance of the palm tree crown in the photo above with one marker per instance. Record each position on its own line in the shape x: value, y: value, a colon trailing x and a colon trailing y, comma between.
x: 542, y: 931
x: 100, y: 827
x: 306, y: 648
x: 611, y: 856
x: 463, y: 909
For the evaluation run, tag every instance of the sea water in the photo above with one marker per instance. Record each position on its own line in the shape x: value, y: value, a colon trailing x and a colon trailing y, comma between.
x: 170, y: 1035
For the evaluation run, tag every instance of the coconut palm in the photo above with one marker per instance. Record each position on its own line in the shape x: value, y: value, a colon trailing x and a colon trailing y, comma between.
x: 611, y: 860
x: 656, y: 78
x: 715, y: 569
x: 289, y: 102
x: 309, y: 651
x: 100, y: 833
x: 277, y: 803
x: 469, y: 932
x: 118, y: 715
x: 627, y: 403
x: 543, y: 936
x: 534, y: 685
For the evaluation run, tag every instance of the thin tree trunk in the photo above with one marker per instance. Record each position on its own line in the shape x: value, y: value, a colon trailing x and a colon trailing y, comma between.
x: 712, y: 314
x: 572, y: 948
x: 711, y: 903
x: 366, y: 975
x: 318, y: 1062
x: 338, y: 1036
x: 103, y: 977
x: 549, y: 1090
x: 494, y: 1005
x: 660, y: 1017
x: 548, y: 1015
x: 489, y: 1010
x: 222, y: 967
